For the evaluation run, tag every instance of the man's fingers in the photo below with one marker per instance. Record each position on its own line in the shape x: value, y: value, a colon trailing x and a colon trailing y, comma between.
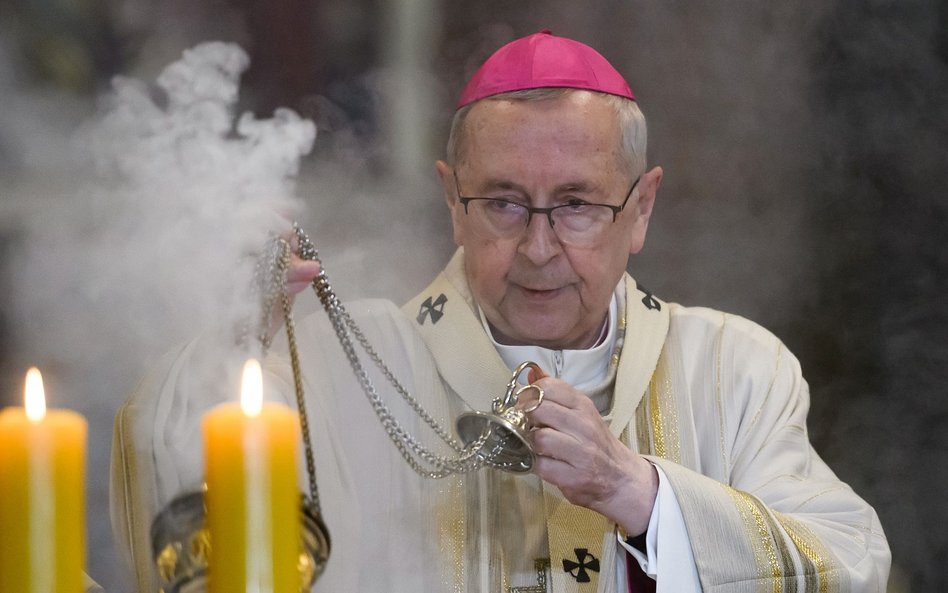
x: 563, y: 393
x: 301, y: 274
x: 551, y: 469
x: 550, y: 442
x: 551, y: 413
x: 534, y: 375
x: 302, y: 269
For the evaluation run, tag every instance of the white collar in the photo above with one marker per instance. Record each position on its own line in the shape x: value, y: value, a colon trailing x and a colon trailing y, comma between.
x: 583, y: 369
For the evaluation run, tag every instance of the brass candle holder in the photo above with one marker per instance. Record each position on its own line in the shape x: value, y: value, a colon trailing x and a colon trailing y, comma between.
x: 181, y: 545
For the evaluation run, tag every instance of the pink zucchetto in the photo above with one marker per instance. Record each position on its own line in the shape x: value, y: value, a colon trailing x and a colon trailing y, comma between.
x: 544, y: 60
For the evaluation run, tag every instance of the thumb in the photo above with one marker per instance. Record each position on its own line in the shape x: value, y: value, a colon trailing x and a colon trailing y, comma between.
x: 536, y: 374
x: 301, y: 274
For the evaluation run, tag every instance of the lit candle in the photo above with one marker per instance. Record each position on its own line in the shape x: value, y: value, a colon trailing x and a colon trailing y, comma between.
x: 253, y: 497
x: 42, y: 496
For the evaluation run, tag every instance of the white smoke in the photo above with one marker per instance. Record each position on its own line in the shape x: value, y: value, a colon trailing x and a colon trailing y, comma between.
x: 159, y: 241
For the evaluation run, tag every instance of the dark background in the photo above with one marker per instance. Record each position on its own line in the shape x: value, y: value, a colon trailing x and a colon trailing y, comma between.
x: 804, y: 145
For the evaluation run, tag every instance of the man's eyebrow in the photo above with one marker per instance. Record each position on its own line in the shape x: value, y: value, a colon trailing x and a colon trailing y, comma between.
x: 577, y: 186
x: 570, y: 186
x: 492, y: 184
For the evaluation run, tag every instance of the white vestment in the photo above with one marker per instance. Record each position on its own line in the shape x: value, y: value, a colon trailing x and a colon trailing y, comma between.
x: 712, y: 399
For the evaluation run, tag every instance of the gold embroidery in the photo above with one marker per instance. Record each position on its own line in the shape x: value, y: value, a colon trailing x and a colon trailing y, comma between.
x: 786, y: 558
x: 760, y: 540
x: 504, y: 573
x: 666, y: 399
x: 658, y: 425
x: 451, y: 531
x: 663, y: 413
x: 643, y: 436
x: 822, y: 574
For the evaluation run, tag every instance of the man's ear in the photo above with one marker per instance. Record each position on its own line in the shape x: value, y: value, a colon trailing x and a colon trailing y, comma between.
x: 448, y: 189
x: 446, y: 175
x: 648, y: 190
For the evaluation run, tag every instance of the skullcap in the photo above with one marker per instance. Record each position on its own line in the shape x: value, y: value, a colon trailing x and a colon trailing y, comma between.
x: 544, y: 60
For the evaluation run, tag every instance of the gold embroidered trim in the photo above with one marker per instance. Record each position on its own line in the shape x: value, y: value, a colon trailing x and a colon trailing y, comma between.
x: 451, y: 531
x: 504, y: 573
x: 663, y: 413
x: 760, y: 540
x: 669, y: 407
x: 643, y: 435
x: 822, y: 570
x: 655, y: 413
x: 786, y: 557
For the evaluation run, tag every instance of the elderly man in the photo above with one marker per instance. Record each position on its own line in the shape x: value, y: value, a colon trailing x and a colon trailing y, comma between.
x: 671, y: 442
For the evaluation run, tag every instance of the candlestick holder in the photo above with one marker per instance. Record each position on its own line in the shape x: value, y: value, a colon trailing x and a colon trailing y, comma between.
x: 181, y: 545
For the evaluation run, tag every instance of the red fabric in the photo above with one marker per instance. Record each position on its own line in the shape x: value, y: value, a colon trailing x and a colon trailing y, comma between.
x: 639, y: 582
x: 544, y: 60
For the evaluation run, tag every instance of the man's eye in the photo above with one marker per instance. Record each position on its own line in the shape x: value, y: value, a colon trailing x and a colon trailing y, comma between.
x: 502, y: 205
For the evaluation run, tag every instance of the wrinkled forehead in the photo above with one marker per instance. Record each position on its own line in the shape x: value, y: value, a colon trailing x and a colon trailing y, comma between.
x: 569, y: 124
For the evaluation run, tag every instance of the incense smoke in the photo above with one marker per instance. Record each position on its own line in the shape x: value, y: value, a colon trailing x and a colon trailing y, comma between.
x: 159, y: 241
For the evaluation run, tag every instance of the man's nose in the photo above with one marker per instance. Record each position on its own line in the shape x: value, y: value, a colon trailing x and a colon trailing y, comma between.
x: 539, y: 241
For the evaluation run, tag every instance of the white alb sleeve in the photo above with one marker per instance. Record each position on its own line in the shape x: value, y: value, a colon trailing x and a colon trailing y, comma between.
x: 668, y: 558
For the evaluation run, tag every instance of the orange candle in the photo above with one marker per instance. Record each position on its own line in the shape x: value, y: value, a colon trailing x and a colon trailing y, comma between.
x: 253, y: 497
x: 42, y: 496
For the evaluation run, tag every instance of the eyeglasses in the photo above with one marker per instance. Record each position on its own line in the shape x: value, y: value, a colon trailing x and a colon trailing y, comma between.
x: 576, y: 222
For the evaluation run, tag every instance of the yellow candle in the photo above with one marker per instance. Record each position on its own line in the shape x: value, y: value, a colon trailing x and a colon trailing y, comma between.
x: 253, y: 498
x: 42, y: 496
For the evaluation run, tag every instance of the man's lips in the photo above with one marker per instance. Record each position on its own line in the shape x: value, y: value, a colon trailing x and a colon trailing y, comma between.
x: 539, y: 293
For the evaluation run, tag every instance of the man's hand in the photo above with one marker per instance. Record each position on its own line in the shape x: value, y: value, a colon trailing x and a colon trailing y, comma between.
x: 299, y: 274
x: 577, y: 453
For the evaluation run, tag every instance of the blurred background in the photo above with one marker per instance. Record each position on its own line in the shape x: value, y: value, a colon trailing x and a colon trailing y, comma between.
x: 805, y: 148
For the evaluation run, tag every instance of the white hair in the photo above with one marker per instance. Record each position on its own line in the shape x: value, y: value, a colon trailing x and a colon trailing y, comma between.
x: 628, y: 116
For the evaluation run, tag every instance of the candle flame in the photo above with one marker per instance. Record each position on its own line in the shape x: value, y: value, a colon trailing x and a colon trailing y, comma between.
x: 251, y: 391
x: 34, y: 396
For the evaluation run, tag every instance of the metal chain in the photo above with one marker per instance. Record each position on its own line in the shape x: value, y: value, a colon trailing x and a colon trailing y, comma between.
x: 272, y: 283
x: 324, y: 288
x: 421, y: 459
x: 297, y: 375
x: 470, y: 458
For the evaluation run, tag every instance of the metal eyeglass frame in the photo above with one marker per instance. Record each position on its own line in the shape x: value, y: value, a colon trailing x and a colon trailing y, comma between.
x: 531, y: 210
